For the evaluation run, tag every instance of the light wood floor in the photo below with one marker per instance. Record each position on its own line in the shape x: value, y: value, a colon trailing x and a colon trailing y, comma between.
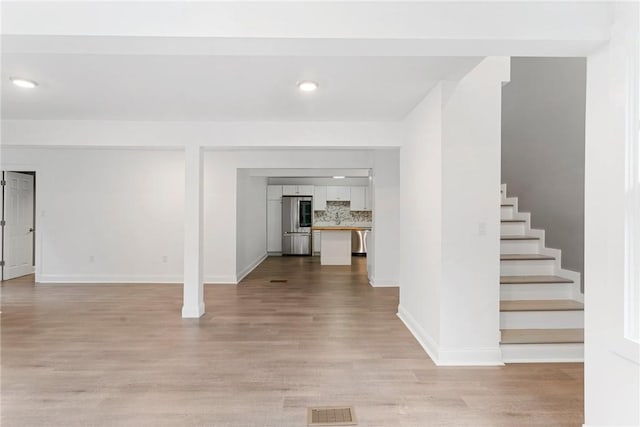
x: 121, y: 355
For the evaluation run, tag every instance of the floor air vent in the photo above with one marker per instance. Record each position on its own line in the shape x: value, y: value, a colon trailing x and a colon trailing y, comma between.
x: 279, y: 281
x: 332, y: 416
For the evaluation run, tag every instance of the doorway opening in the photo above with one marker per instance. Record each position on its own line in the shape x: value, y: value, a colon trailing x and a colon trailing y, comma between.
x: 18, y: 224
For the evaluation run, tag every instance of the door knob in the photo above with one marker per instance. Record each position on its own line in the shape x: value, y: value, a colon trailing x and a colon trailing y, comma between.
x: 31, y: 230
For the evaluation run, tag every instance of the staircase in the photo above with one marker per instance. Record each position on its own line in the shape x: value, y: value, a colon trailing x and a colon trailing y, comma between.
x: 541, y: 306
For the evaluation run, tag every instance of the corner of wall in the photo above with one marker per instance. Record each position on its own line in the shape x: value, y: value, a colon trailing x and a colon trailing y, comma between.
x: 383, y: 283
x: 424, y: 339
x: 243, y: 272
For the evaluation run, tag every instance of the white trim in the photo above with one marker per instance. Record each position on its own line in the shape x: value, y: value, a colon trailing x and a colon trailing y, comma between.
x: 576, y: 293
x: 220, y: 280
x: 383, y: 283
x: 106, y: 279
x: 631, y: 297
x: 193, y: 312
x: 248, y: 269
x: 609, y: 425
x: 472, y: 356
x: 427, y: 343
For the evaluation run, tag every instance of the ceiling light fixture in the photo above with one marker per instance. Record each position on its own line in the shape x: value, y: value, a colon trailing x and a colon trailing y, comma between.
x: 338, y: 177
x: 307, y: 86
x: 24, y: 83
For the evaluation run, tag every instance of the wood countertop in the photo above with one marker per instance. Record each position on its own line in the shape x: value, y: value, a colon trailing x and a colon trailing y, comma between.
x: 338, y: 228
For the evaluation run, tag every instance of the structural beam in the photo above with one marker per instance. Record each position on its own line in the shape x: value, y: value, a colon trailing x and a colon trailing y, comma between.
x: 193, y: 289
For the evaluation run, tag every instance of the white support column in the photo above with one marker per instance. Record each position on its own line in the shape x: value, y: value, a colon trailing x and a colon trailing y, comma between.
x: 193, y: 289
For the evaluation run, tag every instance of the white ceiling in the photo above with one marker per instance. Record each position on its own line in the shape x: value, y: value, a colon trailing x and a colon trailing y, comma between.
x: 220, y: 88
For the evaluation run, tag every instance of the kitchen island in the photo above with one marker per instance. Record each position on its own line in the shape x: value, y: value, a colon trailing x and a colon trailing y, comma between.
x: 335, y: 246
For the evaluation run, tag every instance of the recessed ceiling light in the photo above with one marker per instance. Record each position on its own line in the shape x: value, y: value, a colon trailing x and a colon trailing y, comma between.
x: 338, y: 177
x: 28, y: 84
x: 307, y: 86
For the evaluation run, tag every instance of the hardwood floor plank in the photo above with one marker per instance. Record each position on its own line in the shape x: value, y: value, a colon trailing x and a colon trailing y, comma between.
x: 121, y: 355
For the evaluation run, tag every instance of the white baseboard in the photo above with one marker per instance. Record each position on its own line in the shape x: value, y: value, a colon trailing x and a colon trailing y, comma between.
x: 248, y: 269
x: 193, y: 312
x: 105, y: 279
x: 475, y: 356
x: 487, y: 356
x: 383, y: 283
x: 427, y: 343
x: 220, y: 280
x: 609, y: 425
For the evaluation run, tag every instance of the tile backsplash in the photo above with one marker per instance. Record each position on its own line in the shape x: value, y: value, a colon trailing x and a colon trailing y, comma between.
x: 341, y: 210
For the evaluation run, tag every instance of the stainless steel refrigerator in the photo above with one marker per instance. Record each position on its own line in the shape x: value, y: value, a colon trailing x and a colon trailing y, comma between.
x: 297, y: 219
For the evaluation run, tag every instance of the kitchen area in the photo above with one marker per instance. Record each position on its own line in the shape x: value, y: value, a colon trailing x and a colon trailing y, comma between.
x: 330, y: 217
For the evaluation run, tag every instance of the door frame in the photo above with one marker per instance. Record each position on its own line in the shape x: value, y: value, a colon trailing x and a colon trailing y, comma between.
x: 38, y: 215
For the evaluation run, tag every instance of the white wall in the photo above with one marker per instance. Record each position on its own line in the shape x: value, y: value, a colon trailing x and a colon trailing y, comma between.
x: 421, y: 222
x: 471, y: 129
x: 383, y: 251
x: 124, y: 208
x: 251, y: 218
x: 612, y: 369
x: 450, y: 217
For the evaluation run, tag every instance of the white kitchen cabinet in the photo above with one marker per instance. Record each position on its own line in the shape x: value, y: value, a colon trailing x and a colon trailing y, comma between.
x: 338, y: 194
x: 320, y: 198
x: 316, y: 241
x: 274, y: 192
x: 274, y: 225
x: 305, y: 190
x: 289, y: 190
x: 360, y: 199
x: 297, y: 190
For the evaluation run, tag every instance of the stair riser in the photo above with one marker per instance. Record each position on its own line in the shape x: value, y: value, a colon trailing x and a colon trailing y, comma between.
x: 541, y: 319
x: 542, y: 353
x: 528, y: 268
x: 506, y: 212
x: 513, y: 228
x: 519, y: 246
x: 535, y: 292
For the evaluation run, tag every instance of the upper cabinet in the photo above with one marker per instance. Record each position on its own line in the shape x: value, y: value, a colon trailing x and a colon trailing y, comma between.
x: 360, y: 199
x: 297, y: 190
x: 319, y: 198
x: 338, y: 194
x: 274, y: 192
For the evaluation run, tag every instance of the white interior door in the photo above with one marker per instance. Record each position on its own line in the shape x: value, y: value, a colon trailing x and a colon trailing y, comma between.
x: 19, y: 225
